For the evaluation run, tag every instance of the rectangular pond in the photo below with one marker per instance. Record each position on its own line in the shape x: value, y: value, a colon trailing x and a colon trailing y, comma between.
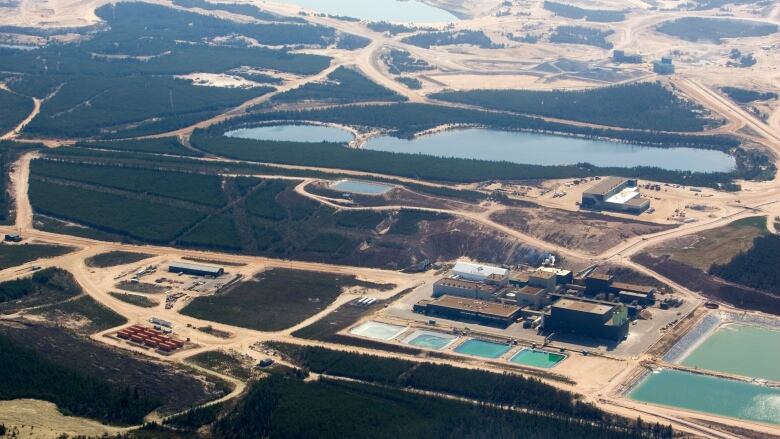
x: 378, y: 330
x: 537, y: 358
x: 747, y: 350
x: 360, y: 187
x: 430, y: 339
x: 482, y: 348
x: 718, y: 396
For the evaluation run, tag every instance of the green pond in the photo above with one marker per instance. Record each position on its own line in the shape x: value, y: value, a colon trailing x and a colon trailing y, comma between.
x: 740, y: 349
x: 430, y: 339
x: 482, y: 348
x: 718, y: 396
x: 537, y: 358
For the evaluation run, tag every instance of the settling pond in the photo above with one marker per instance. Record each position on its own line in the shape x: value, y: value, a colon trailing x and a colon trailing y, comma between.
x: 550, y: 150
x: 482, y: 348
x: 747, y: 350
x: 406, y: 11
x: 708, y: 394
x: 511, y: 146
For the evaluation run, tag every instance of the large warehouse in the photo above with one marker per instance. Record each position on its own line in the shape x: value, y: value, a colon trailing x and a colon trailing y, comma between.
x: 588, y: 318
x: 195, y: 269
x: 457, y: 308
x: 616, y: 194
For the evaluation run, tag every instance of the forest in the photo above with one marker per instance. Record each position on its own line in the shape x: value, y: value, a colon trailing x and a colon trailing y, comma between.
x: 714, y: 29
x: 575, y: 12
x: 745, y: 96
x: 757, y: 267
x: 646, y: 105
x: 163, y: 145
x: 344, y: 85
x: 451, y: 38
x: 581, y: 35
x: 13, y: 109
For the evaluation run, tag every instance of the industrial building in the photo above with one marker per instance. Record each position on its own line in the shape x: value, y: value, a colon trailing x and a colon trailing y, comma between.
x: 464, y: 288
x: 588, y: 318
x: 478, y: 272
x: 620, y: 56
x: 664, y: 67
x: 479, y: 311
x: 195, y: 269
x: 615, y: 194
x: 13, y: 237
x: 528, y: 296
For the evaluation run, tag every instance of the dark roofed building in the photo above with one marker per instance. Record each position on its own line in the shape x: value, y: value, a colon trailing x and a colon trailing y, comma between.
x: 458, y: 308
x: 464, y: 288
x: 588, y: 318
x: 195, y: 269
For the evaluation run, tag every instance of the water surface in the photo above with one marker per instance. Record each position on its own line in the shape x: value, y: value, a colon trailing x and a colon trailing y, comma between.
x: 537, y: 358
x: 407, y: 11
x: 360, y: 187
x: 550, y: 150
x: 482, y: 348
x: 740, y: 349
x: 377, y: 330
x: 293, y: 133
x: 430, y: 339
x: 708, y: 394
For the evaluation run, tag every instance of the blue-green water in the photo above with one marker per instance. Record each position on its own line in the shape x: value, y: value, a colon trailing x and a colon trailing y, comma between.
x: 537, y: 358
x: 293, y: 133
x: 550, y: 150
x: 708, y: 394
x: 361, y: 187
x: 482, y: 348
x: 407, y: 11
x: 430, y: 339
x: 378, y: 330
x: 740, y: 349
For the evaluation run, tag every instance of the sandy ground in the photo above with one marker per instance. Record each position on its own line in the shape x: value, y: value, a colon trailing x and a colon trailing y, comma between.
x: 41, y: 419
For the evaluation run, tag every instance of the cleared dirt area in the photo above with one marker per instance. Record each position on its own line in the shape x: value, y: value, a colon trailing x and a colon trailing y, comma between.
x: 716, y: 246
x: 588, y: 232
x: 41, y: 419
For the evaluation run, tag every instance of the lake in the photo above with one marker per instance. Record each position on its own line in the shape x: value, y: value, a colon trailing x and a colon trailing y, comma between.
x: 708, y: 394
x: 550, y: 150
x: 408, y: 11
x: 293, y: 133
x: 747, y: 350
x: 360, y: 187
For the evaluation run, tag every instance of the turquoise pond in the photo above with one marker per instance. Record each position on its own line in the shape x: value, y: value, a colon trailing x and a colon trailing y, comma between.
x: 551, y: 150
x: 718, y: 396
x: 360, y: 187
x: 406, y: 11
x: 377, y: 330
x: 430, y: 339
x: 293, y: 133
x: 537, y: 358
x: 747, y: 350
x: 482, y: 348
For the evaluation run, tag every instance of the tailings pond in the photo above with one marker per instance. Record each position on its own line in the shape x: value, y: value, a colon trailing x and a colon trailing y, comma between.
x: 550, y: 150
x: 293, y: 133
x: 709, y: 394
x: 482, y: 348
x: 748, y: 350
x: 406, y: 11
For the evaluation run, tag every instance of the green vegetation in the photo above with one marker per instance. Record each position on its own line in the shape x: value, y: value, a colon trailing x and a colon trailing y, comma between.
x: 408, y: 221
x: 217, y: 232
x: 165, y: 145
x: 596, y: 15
x: 15, y: 255
x: 646, y: 105
x: 114, y: 258
x: 395, y: 28
x: 412, y: 83
x: 274, y: 300
x: 44, y: 287
x: 196, y: 417
x: 756, y: 267
x: 451, y: 38
x: 581, y: 35
x: 714, y: 29
x: 196, y: 188
x: 223, y: 362
x: 745, y: 96
x: 343, y: 85
x: 279, y: 407
x: 13, y: 109
x: 27, y: 374
x: 241, y: 9
x: 142, y: 220
x: 135, y: 299
x: 401, y: 61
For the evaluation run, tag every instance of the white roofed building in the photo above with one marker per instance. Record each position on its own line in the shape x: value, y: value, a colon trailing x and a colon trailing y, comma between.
x: 477, y: 272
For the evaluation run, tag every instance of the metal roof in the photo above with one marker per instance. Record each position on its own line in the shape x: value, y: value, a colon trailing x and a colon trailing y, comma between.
x: 577, y: 305
x: 479, y: 306
x: 605, y: 185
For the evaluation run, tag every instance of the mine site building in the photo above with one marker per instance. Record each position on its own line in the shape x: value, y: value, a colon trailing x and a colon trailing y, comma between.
x: 615, y: 194
x: 479, y: 311
x: 13, y: 237
x: 464, y: 288
x: 195, y: 269
x: 478, y: 272
x: 588, y: 318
